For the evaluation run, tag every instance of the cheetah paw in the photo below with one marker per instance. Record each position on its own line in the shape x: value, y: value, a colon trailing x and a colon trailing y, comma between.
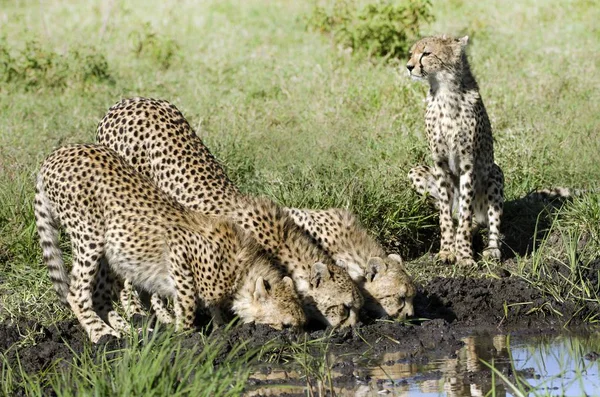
x: 104, y: 336
x: 445, y: 257
x: 466, y: 263
x: 491, y: 254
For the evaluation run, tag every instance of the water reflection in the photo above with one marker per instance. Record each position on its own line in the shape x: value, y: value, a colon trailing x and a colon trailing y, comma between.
x: 543, y: 365
x: 563, y: 366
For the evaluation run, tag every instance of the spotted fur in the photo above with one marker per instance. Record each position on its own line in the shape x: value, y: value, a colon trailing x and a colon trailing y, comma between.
x: 464, y: 180
x: 154, y: 137
x: 384, y: 281
x: 112, y: 213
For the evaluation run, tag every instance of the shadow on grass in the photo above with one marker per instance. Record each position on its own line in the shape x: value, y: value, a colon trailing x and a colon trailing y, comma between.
x: 528, y: 221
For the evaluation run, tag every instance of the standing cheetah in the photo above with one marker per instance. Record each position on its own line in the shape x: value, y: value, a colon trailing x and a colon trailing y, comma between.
x: 387, y: 287
x: 113, y: 214
x: 464, y: 180
x: 155, y: 138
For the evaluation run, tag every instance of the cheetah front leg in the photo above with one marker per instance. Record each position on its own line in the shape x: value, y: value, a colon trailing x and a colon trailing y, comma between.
x: 132, y: 304
x: 464, y: 237
x: 218, y: 316
x: 130, y: 300
x: 184, y: 302
x: 161, y: 310
x: 444, y: 186
x: 495, y: 207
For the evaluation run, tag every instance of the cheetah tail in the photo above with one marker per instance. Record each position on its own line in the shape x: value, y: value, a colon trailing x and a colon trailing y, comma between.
x: 48, y: 233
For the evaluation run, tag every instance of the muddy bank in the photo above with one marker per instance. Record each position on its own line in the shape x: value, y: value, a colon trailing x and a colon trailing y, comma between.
x: 447, y: 309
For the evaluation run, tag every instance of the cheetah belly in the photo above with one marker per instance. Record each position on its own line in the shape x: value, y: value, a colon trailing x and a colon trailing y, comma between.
x: 146, y: 269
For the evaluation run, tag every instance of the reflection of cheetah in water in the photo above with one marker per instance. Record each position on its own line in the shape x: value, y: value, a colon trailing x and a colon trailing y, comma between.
x: 464, y: 179
x: 154, y: 137
x: 115, y: 216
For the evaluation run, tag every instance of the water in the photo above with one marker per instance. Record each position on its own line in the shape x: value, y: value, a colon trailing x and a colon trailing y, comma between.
x: 554, y: 366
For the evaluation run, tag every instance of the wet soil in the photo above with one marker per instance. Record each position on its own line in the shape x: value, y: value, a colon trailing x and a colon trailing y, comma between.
x: 446, y: 310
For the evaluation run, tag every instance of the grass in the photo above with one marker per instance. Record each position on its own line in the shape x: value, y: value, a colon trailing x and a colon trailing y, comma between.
x: 156, y: 364
x: 546, y: 367
x: 296, y: 118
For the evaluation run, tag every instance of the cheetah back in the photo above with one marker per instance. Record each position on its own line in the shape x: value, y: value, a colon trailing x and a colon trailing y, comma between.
x: 154, y: 137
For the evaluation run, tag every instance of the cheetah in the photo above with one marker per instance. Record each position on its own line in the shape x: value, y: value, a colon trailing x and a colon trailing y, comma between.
x: 113, y: 214
x: 155, y: 138
x: 385, y: 283
x: 464, y: 180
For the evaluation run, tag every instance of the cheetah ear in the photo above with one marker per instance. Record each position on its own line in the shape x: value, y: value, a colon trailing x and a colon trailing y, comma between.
x: 341, y: 263
x: 463, y: 41
x: 396, y: 258
x: 353, y: 269
x: 288, y: 282
x: 318, y: 274
x: 375, y: 266
x: 260, y: 290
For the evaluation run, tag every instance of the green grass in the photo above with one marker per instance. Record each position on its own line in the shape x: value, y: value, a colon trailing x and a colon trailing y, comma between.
x: 294, y: 117
x: 548, y: 366
x: 157, y: 364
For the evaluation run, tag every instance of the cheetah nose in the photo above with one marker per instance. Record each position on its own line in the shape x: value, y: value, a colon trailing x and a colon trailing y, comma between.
x: 410, y: 68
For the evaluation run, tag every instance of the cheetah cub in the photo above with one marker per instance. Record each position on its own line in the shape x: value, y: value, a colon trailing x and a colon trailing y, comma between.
x: 328, y: 292
x: 155, y: 138
x: 385, y: 284
x: 113, y: 214
x: 464, y: 180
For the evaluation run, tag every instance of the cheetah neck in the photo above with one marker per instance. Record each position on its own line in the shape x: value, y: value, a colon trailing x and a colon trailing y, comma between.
x: 298, y: 252
x: 354, y: 247
x: 277, y: 232
x: 356, y: 251
x: 452, y: 81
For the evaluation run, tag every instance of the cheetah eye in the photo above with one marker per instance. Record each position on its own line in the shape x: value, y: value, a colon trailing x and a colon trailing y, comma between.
x: 425, y: 53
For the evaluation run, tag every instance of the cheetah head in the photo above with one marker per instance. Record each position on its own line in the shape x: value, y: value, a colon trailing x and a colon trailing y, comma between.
x: 389, y: 287
x: 334, y: 295
x: 276, y: 304
x: 432, y: 56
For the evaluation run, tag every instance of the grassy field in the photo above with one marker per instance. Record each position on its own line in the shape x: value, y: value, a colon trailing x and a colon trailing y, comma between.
x: 296, y: 118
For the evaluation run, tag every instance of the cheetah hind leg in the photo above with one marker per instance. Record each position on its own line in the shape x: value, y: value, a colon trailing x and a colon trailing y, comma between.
x: 424, y: 183
x: 103, y: 294
x: 84, y: 274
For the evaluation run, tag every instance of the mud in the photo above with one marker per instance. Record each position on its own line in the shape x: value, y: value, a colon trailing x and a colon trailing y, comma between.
x: 446, y: 310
